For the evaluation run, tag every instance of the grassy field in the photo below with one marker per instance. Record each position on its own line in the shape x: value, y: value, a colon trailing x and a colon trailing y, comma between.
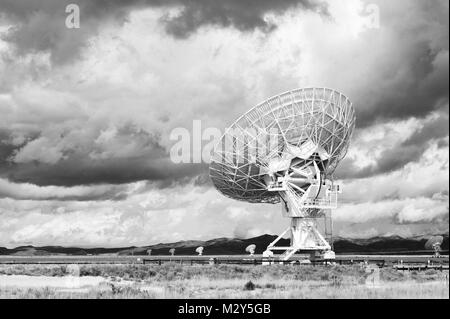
x: 223, y: 281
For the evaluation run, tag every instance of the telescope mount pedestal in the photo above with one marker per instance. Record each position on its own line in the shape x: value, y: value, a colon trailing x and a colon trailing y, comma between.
x: 305, y: 212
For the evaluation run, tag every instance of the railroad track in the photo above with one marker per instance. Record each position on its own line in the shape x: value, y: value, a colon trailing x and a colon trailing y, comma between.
x: 401, y: 262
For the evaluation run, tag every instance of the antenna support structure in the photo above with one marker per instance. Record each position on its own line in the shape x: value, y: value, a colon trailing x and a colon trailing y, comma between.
x: 306, y: 209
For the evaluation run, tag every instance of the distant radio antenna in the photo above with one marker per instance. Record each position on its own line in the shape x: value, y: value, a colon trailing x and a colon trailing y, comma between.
x: 199, y: 250
x: 172, y: 251
x: 251, y: 249
x: 434, y: 243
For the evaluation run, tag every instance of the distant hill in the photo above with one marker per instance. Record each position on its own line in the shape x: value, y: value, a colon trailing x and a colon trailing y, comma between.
x: 234, y: 246
x: 380, y: 245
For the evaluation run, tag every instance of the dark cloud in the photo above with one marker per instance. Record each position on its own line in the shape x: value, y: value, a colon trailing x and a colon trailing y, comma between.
x: 6, y: 149
x: 39, y: 25
x: 424, y: 91
x: 436, y: 128
x: 411, y: 76
x: 443, y: 144
x: 411, y: 150
x: 81, y: 171
x: 389, y: 161
x: 245, y: 15
x: 103, y: 161
x: 52, y: 193
x: 415, y: 84
x: 411, y: 79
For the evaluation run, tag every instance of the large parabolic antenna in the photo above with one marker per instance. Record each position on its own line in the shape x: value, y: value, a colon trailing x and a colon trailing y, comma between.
x: 285, y: 150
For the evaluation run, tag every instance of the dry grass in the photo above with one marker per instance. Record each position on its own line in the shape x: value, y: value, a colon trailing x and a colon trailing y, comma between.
x: 229, y: 281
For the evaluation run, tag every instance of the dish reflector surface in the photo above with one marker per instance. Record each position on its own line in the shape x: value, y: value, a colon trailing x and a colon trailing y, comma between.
x: 279, y: 133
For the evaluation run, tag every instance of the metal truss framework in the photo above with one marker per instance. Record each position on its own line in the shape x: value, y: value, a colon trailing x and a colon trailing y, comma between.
x: 286, y: 150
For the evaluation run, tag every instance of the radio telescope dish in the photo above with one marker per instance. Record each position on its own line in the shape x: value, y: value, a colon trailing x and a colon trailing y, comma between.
x: 285, y: 150
x: 172, y: 251
x: 199, y: 250
x: 251, y: 249
x: 434, y: 243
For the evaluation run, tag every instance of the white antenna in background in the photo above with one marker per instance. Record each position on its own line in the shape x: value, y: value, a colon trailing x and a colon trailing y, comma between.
x: 434, y: 243
x: 199, y: 250
x: 251, y: 249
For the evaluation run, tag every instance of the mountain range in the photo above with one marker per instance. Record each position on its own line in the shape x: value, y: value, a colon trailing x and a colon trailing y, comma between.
x: 235, y: 246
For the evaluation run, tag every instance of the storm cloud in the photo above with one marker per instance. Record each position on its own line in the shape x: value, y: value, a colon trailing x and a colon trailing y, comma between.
x: 86, y: 114
x: 392, y: 158
x: 40, y: 25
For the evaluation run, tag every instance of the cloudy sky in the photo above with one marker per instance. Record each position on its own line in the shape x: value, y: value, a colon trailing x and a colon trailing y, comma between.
x: 86, y: 114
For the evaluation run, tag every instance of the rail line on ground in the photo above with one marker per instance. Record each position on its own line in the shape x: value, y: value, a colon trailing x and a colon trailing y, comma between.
x: 400, y: 262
